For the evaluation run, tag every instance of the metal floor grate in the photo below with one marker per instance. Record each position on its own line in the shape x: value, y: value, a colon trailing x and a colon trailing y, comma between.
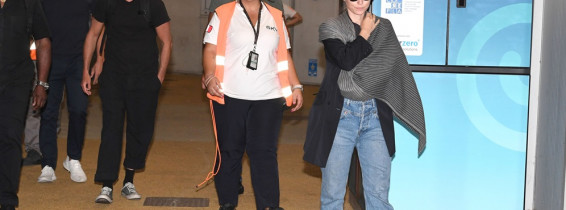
x: 176, y: 201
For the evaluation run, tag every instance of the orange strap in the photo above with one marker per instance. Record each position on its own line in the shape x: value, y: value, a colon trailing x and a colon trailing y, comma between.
x: 217, y: 155
x: 32, y: 54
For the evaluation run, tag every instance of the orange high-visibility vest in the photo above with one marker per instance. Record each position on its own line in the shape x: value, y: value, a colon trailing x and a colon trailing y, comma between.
x: 225, y: 13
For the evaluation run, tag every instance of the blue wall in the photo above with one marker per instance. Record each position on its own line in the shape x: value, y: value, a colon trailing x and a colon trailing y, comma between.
x: 476, y: 123
x: 475, y: 155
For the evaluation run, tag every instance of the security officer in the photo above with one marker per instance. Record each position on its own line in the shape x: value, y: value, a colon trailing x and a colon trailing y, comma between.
x: 19, y: 19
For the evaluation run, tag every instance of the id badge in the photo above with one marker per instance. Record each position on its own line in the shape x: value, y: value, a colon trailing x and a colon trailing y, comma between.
x: 252, y: 60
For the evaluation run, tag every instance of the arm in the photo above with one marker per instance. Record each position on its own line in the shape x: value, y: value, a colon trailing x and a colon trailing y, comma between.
x: 347, y: 56
x: 97, y: 68
x: 89, y: 47
x: 296, y: 19
x: 43, y: 64
x: 164, y: 34
x: 211, y: 83
x: 294, y: 80
x: 202, y: 80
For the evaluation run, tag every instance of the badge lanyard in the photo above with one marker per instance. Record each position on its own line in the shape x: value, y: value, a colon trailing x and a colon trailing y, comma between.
x: 253, y: 56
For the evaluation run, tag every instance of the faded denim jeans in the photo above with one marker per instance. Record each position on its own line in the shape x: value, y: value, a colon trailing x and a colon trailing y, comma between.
x: 358, y: 127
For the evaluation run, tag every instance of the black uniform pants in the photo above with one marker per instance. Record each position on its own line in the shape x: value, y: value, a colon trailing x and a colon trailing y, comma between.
x: 14, y: 100
x: 66, y: 74
x: 253, y: 127
x: 130, y: 97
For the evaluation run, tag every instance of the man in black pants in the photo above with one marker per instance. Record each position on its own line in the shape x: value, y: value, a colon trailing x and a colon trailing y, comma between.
x: 68, y: 23
x: 129, y: 84
x: 18, y: 21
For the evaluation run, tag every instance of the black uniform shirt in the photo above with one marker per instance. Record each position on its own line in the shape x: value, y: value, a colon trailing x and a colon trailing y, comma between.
x: 131, y: 46
x: 15, y: 61
x: 68, y: 23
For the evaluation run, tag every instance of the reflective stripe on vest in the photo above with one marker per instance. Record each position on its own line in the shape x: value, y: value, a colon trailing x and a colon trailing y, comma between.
x: 225, y: 13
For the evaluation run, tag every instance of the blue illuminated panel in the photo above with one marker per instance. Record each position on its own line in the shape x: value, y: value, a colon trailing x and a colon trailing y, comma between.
x: 476, y: 143
x: 491, y: 33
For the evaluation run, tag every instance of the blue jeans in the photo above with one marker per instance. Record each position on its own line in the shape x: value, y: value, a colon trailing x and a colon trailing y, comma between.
x: 66, y: 74
x: 358, y: 127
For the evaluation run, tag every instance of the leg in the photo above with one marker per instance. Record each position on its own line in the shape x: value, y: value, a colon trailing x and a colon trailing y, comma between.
x: 13, y: 103
x: 141, y: 105
x: 50, y: 114
x: 262, y: 132
x: 375, y: 162
x: 31, y: 131
x: 335, y: 174
x: 77, y: 102
x: 113, y: 111
x: 33, y: 119
x: 31, y: 136
x: 230, y: 124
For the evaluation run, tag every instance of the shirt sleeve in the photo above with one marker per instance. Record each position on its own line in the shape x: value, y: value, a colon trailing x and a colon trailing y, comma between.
x: 39, y: 24
x: 99, y: 12
x: 287, y: 41
x: 158, y: 13
x: 211, y: 33
x: 347, y: 56
x: 288, y: 12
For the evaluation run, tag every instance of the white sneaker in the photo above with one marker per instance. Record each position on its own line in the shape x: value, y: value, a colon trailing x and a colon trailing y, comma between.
x: 129, y: 191
x: 74, y: 167
x: 47, y: 175
x: 105, y: 196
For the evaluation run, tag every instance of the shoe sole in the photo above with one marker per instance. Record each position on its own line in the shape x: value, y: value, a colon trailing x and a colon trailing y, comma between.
x: 45, y: 181
x: 103, y: 201
x: 132, y: 197
x: 66, y: 167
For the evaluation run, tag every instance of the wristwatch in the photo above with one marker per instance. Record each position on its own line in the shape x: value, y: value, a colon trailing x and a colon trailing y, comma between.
x: 297, y: 87
x: 43, y: 84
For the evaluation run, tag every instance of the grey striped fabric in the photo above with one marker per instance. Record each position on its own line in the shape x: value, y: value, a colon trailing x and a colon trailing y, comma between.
x: 384, y: 74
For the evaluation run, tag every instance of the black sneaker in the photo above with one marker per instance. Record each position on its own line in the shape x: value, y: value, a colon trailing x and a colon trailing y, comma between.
x: 33, y: 158
x: 105, y: 196
x: 276, y: 208
x: 227, y: 206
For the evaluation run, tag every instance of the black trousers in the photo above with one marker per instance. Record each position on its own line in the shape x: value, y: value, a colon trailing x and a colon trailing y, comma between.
x: 251, y: 127
x: 130, y: 97
x: 66, y: 74
x: 14, y: 100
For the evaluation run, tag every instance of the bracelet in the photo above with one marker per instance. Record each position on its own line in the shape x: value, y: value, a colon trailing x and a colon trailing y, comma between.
x: 297, y: 87
x: 43, y: 84
x: 208, y: 80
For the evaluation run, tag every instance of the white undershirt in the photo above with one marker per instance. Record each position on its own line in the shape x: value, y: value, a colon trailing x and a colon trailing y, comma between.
x: 239, y: 81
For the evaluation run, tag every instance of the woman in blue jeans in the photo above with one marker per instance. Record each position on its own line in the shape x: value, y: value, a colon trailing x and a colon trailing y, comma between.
x: 367, y: 82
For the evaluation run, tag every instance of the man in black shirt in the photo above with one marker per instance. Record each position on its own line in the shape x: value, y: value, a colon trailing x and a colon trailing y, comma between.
x: 68, y: 23
x: 19, y: 20
x: 129, y: 84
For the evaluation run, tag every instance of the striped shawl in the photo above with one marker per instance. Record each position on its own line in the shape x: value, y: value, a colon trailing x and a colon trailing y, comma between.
x: 384, y: 74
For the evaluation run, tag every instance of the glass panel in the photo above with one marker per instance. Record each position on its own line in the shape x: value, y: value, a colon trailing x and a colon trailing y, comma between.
x: 490, y: 33
x: 423, y: 36
x: 475, y: 155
